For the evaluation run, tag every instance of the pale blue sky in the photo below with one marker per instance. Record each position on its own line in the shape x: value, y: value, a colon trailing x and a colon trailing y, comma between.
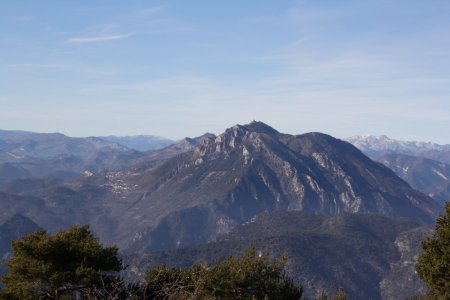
x: 181, y: 68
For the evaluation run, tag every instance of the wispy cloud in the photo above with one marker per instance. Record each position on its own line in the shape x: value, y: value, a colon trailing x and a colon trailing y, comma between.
x: 96, y: 39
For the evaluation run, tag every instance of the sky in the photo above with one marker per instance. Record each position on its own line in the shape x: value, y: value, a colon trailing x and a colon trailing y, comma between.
x: 182, y: 68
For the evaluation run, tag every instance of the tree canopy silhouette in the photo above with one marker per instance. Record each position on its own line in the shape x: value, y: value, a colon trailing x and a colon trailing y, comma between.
x: 433, y: 266
x: 250, y: 276
x: 71, y: 262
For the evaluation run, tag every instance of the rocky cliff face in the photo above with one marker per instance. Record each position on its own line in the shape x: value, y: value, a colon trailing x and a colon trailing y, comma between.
x: 251, y: 169
x: 218, y: 182
x: 199, y: 192
x: 402, y: 281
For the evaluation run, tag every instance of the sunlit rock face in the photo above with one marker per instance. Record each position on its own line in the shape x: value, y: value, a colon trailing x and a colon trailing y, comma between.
x: 195, y: 190
x: 250, y: 169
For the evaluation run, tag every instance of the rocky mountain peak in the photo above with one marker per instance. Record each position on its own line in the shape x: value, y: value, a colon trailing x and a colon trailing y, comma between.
x: 229, y: 179
x: 260, y: 127
x: 231, y: 138
x: 240, y: 138
x: 253, y: 127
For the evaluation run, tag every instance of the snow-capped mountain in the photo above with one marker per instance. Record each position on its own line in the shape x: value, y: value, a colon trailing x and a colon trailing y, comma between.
x: 424, y: 165
x: 377, y: 146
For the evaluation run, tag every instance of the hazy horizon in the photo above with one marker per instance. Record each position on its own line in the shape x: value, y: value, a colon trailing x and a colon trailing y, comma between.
x: 217, y: 133
x: 177, y: 69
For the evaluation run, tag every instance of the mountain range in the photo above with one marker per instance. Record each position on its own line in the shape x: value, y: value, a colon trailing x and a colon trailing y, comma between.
x: 22, y: 144
x: 54, y: 155
x: 377, y: 146
x: 424, y: 165
x: 200, y: 191
x: 142, y: 143
x: 218, y: 182
x: 251, y: 169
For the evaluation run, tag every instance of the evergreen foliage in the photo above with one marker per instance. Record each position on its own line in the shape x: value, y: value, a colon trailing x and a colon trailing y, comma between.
x: 72, y: 264
x: 69, y: 263
x: 251, y: 276
x: 433, y: 266
x: 339, y: 295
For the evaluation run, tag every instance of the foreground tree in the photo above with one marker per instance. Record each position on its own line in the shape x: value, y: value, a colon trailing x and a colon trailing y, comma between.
x: 433, y: 266
x: 71, y: 263
x: 251, y: 276
x: 339, y: 295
